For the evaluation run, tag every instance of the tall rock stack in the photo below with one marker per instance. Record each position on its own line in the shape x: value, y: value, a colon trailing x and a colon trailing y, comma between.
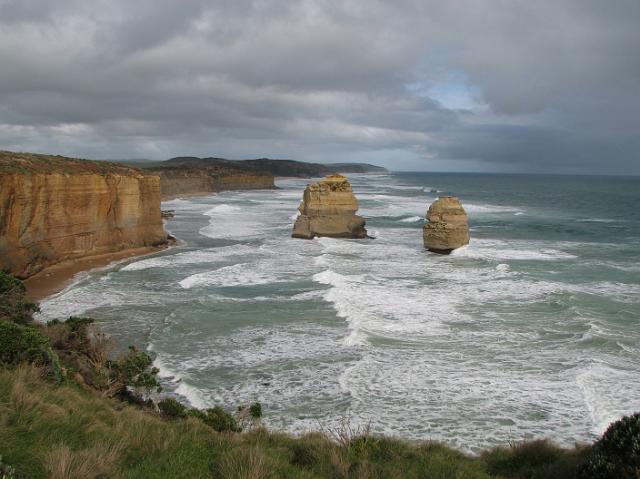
x: 328, y: 208
x: 447, y: 228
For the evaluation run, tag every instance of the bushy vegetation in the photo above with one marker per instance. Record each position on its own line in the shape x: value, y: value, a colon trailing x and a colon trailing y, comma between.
x: 70, y: 409
x: 14, y: 305
x: 617, y: 452
x: 22, y: 344
x: 172, y: 408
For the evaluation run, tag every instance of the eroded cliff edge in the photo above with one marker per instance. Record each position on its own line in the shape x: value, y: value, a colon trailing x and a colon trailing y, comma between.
x: 54, y: 209
x: 184, y: 180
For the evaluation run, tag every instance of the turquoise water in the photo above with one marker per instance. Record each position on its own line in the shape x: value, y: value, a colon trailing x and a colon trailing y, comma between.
x: 532, y: 330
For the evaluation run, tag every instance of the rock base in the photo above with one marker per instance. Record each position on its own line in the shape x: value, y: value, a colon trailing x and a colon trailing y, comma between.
x: 306, y: 227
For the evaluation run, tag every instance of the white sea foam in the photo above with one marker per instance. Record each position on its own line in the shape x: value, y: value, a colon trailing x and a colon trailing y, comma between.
x: 606, y: 401
x: 514, y: 250
x: 597, y: 220
x: 390, y: 308
x: 502, y: 268
x: 229, y: 221
x: 490, y: 209
x: 410, y: 188
x: 412, y: 219
x: 243, y: 274
x: 176, y: 381
x: 192, y: 394
x: 621, y: 292
x: 191, y: 257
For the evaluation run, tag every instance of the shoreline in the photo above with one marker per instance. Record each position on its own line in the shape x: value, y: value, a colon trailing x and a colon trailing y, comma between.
x: 57, y: 277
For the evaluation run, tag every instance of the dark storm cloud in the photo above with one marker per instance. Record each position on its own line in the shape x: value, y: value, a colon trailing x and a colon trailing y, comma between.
x: 546, y: 86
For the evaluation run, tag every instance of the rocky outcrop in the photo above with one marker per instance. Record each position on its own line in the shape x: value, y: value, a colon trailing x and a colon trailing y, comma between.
x: 54, y: 209
x: 447, y: 227
x: 328, y: 208
x: 198, y: 181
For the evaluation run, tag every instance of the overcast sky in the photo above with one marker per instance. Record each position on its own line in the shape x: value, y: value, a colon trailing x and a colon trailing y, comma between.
x: 484, y: 85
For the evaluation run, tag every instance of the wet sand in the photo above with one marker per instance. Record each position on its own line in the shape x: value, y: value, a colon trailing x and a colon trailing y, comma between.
x: 55, y: 278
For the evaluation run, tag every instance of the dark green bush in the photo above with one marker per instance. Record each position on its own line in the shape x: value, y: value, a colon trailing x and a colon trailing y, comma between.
x: 77, y: 324
x: 617, y: 453
x: 134, y: 370
x: 198, y: 414
x: 173, y: 408
x: 216, y: 418
x: 70, y: 337
x: 13, y: 303
x: 220, y: 420
x: 255, y: 410
x: 22, y: 344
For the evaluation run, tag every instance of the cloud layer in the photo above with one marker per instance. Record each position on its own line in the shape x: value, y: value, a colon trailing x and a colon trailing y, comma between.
x: 480, y: 85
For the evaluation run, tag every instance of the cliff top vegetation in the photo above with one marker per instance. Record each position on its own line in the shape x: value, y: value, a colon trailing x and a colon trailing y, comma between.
x: 13, y: 162
x: 290, y: 168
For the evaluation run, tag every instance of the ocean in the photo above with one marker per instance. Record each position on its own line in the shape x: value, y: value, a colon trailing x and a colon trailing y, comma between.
x: 533, y: 330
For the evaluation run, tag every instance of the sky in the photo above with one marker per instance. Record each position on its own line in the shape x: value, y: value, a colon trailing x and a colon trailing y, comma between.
x: 478, y: 85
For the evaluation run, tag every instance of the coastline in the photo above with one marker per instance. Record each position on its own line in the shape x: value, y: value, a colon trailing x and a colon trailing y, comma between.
x: 57, y: 277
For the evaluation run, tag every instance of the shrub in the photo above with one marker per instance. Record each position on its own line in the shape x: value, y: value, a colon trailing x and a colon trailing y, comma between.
x: 22, y: 344
x: 255, y: 410
x: 13, y: 303
x: 173, y: 408
x: 216, y: 418
x: 617, y: 453
x: 133, y: 373
x: 70, y: 336
x: 197, y: 413
x: 220, y: 420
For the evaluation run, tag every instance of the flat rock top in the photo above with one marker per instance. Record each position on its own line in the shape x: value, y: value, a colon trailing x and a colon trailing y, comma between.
x: 445, y: 205
x: 330, y: 184
x: 11, y: 162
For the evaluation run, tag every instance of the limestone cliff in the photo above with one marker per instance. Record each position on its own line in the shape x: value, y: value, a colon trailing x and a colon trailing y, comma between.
x: 196, y: 181
x: 54, y: 209
x: 328, y: 208
x: 447, y: 228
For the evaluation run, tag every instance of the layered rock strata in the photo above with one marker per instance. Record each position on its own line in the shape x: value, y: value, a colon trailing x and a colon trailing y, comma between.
x: 328, y: 208
x: 54, y: 209
x: 198, y: 181
x: 447, y: 227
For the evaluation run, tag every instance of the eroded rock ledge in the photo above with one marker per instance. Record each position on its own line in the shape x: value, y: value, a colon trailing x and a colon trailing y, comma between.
x: 328, y: 208
x: 54, y: 209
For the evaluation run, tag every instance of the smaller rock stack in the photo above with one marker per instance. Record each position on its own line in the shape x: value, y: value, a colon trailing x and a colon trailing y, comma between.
x: 328, y: 208
x: 447, y: 228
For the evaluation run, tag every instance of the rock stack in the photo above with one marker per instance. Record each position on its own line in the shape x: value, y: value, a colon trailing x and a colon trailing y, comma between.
x: 447, y: 227
x: 328, y: 208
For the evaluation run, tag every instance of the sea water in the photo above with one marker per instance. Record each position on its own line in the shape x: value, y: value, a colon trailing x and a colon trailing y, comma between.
x: 533, y: 330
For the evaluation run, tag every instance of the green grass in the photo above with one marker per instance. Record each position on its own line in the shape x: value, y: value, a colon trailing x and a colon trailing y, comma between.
x: 69, y: 432
x: 18, y: 162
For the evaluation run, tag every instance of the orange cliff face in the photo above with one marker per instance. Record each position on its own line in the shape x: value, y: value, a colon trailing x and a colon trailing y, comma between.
x: 193, y: 181
x: 54, y: 209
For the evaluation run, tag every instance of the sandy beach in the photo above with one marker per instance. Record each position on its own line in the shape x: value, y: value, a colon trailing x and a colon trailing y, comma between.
x: 55, y: 278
